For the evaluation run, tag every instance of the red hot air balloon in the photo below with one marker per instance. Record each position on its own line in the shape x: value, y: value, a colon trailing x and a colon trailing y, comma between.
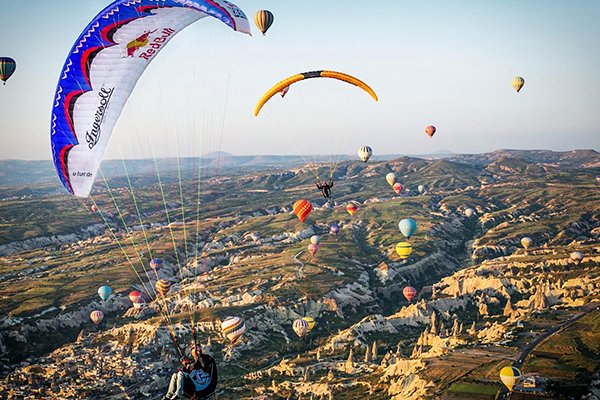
x: 313, y: 248
x: 134, y: 296
x: 302, y: 208
x: 397, y: 187
x: 97, y: 316
x: 94, y: 208
x: 430, y: 130
x: 409, y: 292
x: 351, y: 208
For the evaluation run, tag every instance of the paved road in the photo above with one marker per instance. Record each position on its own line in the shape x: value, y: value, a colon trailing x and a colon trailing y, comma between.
x: 504, y: 394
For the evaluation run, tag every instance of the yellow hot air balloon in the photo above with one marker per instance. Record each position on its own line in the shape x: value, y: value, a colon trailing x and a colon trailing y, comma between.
x: 404, y: 249
x: 311, y: 323
x: 263, y: 20
x: 526, y: 242
x: 518, y: 83
x: 510, y: 376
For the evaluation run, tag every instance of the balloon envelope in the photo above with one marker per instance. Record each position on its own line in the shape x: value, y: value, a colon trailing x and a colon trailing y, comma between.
x: 96, y: 316
x: 315, y: 239
x: 408, y: 227
x: 302, y: 208
x: 311, y: 323
x: 7, y: 68
x: 156, y: 263
x: 397, y: 187
x: 313, y: 248
x: 351, y: 208
x: 104, y: 292
x: 263, y: 20
x: 469, y: 212
x: 134, y: 295
x: 518, y: 83
x: 300, y: 326
x: 576, y: 257
x: 526, y: 242
x: 510, y: 376
x: 233, y: 328
x: 430, y: 130
x: 364, y: 153
x: 139, y: 303
x: 162, y: 287
x: 404, y: 249
x: 335, y: 228
x: 421, y: 188
x: 409, y: 292
x: 391, y: 178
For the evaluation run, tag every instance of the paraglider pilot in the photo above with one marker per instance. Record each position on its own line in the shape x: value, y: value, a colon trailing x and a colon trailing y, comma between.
x: 196, y: 379
x: 325, y: 187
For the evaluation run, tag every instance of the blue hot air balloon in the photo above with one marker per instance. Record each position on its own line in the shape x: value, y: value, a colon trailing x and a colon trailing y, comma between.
x: 104, y: 292
x: 408, y: 227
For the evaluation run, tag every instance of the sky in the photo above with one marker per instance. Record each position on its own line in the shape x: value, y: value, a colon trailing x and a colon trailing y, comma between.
x: 443, y: 63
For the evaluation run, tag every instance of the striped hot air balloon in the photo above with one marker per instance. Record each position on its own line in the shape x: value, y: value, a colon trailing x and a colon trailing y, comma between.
x: 518, y: 83
x: 302, y: 208
x: 510, y: 376
x: 263, y: 20
x: 409, y: 292
x: 311, y: 323
x: 300, y: 326
x: 97, y: 316
x: 134, y: 295
x: 7, y: 68
x: 233, y: 328
x: 404, y: 249
x: 162, y: 287
x: 364, y: 153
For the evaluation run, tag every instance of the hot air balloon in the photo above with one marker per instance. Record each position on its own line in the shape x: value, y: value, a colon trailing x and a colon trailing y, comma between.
x: 300, y: 326
x: 404, y: 249
x: 351, y: 208
x: 391, y: 178
x: 94, y: 208
x: 255, y: 236
x: 598, y: 179
x: 156, y: 263
x: 576, y: 257
x: 97, y: 316
x: 335, y: 228
x: 313, y: 248
x: 233, y: 328
x: 139, y: 303
x: 409, y: 292
x: 7, y: 68
x: 430, y: 130
x: 311, y: 323
x: 526, y: 242
x: 518, y: 83
x: 364, y: 153
x: 263, y: 20
x: 104, y: 292
x: 315, y: 239
x: 408, y: 227
x: 397, y: 187
x: 162, y: 287
x: 510, y: 376
x: 280, y: 86
x: 469, y: 212
x: 302, y: 208
x: 421, y: 188
x: 134, y: 296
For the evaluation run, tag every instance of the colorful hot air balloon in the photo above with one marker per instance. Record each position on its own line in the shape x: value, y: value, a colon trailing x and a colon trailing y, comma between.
x: 397, y: 187
x: 134, y: 296
x: 280, y: 86
x: 313, y: 248
x: 404, y: 249
x: 510, y: 376
x: 315, y: 239
x: 409, y: 292
x: 302, y: 208
x: 421, y: 188
x: 391, y: 178
x: 364, y: 153
x: 263, y: 20
x: 156, y: 263
x: 408, y: 227
x: 7, y: 68
x: 139, y: 303
x: 526, y: 242
x: 430, y: 130
x: 94, y: 208
x: 162, y: 287
x: 311, y: 323
x: 576, y: 257
x: 97, y: 316
x: 598, y: 179
x: 469, y: 212
x: 233, y: 328
x: 300, y: 326
x: 518, y: 83
x: 335, y: 228
x: 351, y: 208
x: 104, y: 292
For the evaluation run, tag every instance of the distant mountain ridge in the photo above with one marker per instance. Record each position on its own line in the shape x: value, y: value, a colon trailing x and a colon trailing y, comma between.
x: 19, y: 172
